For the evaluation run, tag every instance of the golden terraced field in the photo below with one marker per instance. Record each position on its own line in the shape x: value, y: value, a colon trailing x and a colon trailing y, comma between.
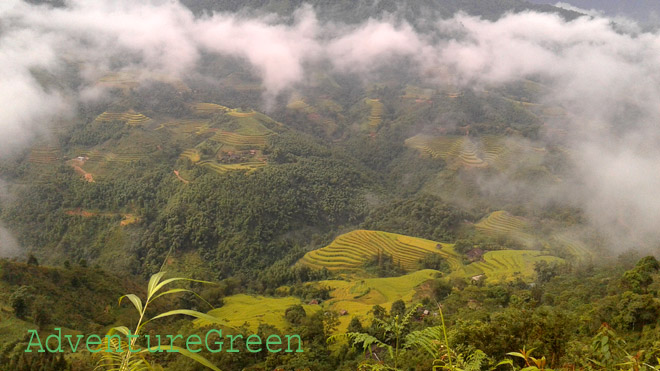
x: 352, y: 250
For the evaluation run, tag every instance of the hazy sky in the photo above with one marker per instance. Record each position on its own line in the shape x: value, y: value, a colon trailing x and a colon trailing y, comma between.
x: 645, y: 11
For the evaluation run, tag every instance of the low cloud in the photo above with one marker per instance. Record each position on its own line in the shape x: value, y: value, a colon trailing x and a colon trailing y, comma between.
x: 9, y: 247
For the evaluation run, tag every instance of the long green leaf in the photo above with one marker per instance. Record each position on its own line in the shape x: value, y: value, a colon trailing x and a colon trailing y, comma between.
x: 123, y: 329
x: 188, y: 312
x: 172, y: 291
x: 153, y: 282
x: 168, y: 281
x: 135, y: 300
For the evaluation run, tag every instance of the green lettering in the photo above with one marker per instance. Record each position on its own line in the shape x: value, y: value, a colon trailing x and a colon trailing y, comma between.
x: 38, y: 343
x: 130, y: 343
x: 248, y: 342
x: 58, y: 337
x: 172, y: 338
x: 206, y: 341
x: 196, y: 342
x: 73, y: 348
x: 231, y: 343
x: 96, y: 350
x: 288, y: 349
x: 149, y: 347
x: 278, y: 341
x: 108, y: 337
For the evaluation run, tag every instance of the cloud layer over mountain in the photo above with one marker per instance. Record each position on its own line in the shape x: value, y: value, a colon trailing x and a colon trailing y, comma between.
x: 608, y: 81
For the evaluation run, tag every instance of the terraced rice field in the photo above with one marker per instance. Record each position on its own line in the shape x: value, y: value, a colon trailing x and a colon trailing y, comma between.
x: 94, y: 157
x: 120, y: 80
x: 461, y: 151
x: 209, y: 108
x: 317, y: 116
x: 299, y: 105
x: 240, y: 140
x: 223, y: 168
x: 415, y: 92
x: 358, y: 297
x: 196, y: 127
x: 376, y: 114
x: 98, y: 161
x: 352, y: 250
x: 496, y: 152
x: 44, y: 155
x: 255, y: 310
x: 236, y: 113
x: 505, y: 265
x: 131, y: 118
x: 192, y: 154
x: 251, y: 124
x: 503, y: 223
x: 455, y: 150
x: 124, y: 157
x: 574, y: 246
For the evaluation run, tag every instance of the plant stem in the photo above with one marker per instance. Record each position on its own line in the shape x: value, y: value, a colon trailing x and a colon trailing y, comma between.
x: 444, y: 331
x: 127, y: 357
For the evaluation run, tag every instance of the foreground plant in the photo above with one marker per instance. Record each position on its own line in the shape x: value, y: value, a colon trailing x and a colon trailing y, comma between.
x: 531, y: 363
x: 117, y: 355
x: 396, y: 340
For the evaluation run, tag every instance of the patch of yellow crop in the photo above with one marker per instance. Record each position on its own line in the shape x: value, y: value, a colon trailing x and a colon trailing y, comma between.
x: 242, y: 308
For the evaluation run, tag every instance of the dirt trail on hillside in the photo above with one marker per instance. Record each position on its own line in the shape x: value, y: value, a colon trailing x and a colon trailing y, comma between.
x: 76, y: 164
x: 127, y: 219
x: 176, y: 172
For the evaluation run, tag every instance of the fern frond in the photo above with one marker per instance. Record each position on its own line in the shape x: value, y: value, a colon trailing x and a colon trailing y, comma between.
x: 428, y: 339
x: 406, y: 319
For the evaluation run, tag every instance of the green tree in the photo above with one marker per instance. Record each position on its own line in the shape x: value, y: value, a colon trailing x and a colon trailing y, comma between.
x: 295, y: 314
x: 32, y: 260
x: 21, y: 301
x: 398, y: 308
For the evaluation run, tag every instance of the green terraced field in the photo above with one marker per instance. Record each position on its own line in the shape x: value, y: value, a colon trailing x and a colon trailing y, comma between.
x: 253, y: 123
x: 376, y: 114
x: 352, y: 250
x: 223, y: 168
x: 131, y: 118
x: 496, y: 152
x: 188, y: 127
x: 301, y: 105
x: 486, y: 151
x: 318, y: 116
x: 241, y: 308
x: 415, y: 92
x: 240, y: 140
x: 359, y: 296
x: 502, y: 223
x: 455, y: 150
x: 505, y: 265
x: 209, y: 108
x: 574, y: 246
x: 192, y: 155
x: 120, y: 80
x: 44, y: 155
